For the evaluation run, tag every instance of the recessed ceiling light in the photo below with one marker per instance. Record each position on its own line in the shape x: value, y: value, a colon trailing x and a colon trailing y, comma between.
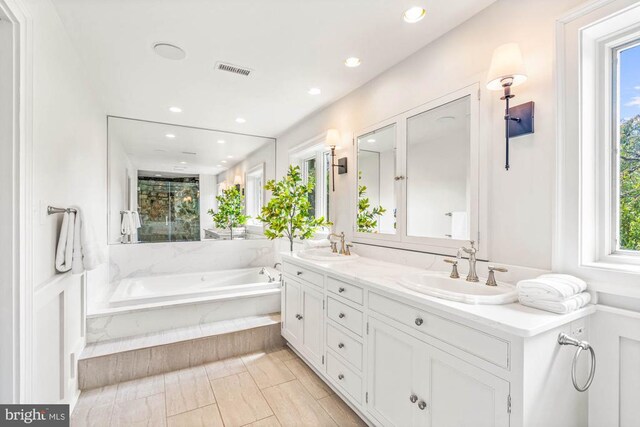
x: 224, y: 161
x: 352, y: 62
x: 170, y: 135
x: 183, y: 163
x: 414, y: 14
x: 218, y: 166
x: 175, y: 109
x: 221, y: 141
x: 240, y: 120
x: 371, y: 140
x: 169, y: 51
x: 229, y: 157
x: 314, y: 91
x: 158, y: 175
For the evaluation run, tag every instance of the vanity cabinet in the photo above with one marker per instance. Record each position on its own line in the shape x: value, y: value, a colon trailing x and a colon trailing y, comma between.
x: 403, y: 361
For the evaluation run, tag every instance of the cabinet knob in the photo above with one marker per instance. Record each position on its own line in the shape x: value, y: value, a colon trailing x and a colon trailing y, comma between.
x: 341, y: 315
x: 299, y: 316
x: 422, y: 405
x: 341, y: 290
x: 413, y: 398
x: 340, y: 345
x: 419, y: 321
x: 299, y: 273
x: 340, y: 377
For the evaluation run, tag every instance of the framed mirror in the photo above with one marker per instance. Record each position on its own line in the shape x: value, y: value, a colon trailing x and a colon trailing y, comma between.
x: 165, y: 181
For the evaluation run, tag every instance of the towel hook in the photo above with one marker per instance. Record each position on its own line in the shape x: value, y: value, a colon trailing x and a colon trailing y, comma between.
x: 564, y: 339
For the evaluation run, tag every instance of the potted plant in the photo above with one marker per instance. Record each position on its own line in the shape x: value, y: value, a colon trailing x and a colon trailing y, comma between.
x: 367, y: 219
x: 229, y: 214
x: 287, y: 213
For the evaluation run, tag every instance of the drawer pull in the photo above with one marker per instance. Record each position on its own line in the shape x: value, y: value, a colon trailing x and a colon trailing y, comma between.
x: 422, y: 405
x: 419, y: 321
x: 299, y: 273
x: 413, y: 398
x: 340, y: 376
x: 299, y: 317
x: 341, y: 315
x: 340, y: 345
x: 341, y: 290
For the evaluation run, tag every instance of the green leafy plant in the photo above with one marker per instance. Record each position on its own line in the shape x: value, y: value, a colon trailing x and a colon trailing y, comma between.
x: 630, y: 183
x: 287, y: 213
x: 229, y: 214
x: 367, y: 218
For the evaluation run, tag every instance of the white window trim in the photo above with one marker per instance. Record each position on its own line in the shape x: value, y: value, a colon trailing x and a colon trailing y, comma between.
x: 584, y: 161
x: 253, y: 225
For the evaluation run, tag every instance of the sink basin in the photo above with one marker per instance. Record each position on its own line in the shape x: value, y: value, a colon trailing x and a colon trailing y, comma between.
x: 440, y: 285
x: 324, y: 254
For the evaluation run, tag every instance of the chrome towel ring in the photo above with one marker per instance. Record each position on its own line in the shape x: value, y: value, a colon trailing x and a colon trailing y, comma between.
x: 564, y: 339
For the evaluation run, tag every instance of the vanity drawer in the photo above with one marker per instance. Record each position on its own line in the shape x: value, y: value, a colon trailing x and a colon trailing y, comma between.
x: 347, y: 347
x: 478, y: 343
x: 304, y: 274
x: 346, y: 290
x: 344, y: 315
x: 344, y: 377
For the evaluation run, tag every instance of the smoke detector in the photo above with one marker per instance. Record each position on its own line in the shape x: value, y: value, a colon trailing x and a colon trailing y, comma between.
x: 236, y: 69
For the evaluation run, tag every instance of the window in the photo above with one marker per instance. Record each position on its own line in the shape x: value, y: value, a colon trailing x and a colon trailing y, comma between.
x: 254, y: 197
x: 627, y: 148
x: 315, y: 165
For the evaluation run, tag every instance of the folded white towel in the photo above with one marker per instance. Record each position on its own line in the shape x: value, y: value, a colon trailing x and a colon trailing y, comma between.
x: 321, y: 243
x: 459, y: 230
x: 64, y: 252
x: 90, y: 254
x: 551, y: 287
x: 568, y: 305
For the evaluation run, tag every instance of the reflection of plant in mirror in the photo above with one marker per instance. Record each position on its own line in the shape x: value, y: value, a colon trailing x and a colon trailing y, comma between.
x: 287, y: 213
x: 229, y: 212
x: 367, y: 219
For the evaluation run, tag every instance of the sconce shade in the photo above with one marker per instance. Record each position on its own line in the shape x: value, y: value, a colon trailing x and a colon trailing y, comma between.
x: 333, y: 137
x: 237, y: 180
x: 506, y: 62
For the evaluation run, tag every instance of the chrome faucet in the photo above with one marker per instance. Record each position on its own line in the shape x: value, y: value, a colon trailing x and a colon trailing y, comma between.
x: 265, y: 272
x: 343, y: 250
x: 472, y: 276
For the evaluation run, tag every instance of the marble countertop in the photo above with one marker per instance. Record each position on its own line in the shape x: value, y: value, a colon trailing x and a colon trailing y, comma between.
x: 514, y: 319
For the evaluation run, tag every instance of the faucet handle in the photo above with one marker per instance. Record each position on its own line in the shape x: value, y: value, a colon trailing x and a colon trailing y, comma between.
x: 454, y: 270
x: 348, y: 250
x: 491, y: 279
x: 334, y: 247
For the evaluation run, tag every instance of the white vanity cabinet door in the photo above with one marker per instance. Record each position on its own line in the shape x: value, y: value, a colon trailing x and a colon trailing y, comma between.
x: 396, y: 372
x: 464, y: 395
x: 291, y: 310
x: 312, y: 324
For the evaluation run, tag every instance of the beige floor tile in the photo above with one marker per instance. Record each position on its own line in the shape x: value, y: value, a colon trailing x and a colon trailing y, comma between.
x: 207, y: 416
x: 314, y: 385
x: 284, y: 354
x: 148, y: 411
x: 187, y: 389
x: 340, y: 412
x: 224, y: 368
x: 95, y: 415
x: 269, y: 372
x: 239, y: 400
x: 267, y: 422
x: 294, y: 406
x: 257, y: 357
x: 143, y: 387
x: 97, y: 396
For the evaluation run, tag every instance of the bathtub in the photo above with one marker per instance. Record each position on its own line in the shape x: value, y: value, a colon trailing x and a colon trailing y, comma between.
x: 223, y: 284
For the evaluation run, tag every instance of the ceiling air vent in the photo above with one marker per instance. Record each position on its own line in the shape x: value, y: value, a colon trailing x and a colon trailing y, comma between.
x: 222, y: 66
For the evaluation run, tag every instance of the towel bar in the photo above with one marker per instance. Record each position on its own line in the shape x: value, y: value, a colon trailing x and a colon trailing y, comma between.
x: 51, y: 210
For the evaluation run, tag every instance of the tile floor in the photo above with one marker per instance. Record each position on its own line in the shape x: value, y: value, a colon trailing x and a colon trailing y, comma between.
x: 258, y: 389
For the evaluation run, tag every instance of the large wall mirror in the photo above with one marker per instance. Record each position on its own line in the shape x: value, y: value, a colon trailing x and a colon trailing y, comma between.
x: 418, y: 176
x: 165, y: 181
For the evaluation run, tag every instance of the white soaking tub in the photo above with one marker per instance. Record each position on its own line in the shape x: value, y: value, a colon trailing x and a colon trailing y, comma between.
x: 242, y: 282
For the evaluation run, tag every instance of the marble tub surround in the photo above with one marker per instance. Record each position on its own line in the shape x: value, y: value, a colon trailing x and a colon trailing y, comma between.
x: 114, y: 361
x: 225, y: 393
x: 514, y: 319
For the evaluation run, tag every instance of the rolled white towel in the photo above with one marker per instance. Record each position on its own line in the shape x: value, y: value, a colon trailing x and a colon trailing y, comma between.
x: 321, y: 243
x: 568, y: 305
x: 551, y: 287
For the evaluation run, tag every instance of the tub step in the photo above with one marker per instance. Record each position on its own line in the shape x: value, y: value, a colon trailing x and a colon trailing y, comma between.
x: 109, y: 362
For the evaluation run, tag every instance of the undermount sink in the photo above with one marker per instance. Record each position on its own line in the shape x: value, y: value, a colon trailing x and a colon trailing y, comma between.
x: 324, y: 254
x: 440, y: 285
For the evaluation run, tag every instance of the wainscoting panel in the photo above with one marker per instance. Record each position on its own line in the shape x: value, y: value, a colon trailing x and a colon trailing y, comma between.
x: 615, y: 392
x: 58, y: 338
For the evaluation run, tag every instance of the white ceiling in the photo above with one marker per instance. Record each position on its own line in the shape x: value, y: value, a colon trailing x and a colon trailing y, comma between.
x: 292, y: 45
x: 148, y: 148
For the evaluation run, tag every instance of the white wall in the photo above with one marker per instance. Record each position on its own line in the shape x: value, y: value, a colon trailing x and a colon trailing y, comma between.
x: 70, y: 151
x: 208, y: 193
x: 520, y: 200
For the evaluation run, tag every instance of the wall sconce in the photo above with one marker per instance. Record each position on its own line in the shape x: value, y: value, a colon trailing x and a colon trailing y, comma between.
x: 237, y: 181
x: 507, y: 70
x: 333, y: 139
